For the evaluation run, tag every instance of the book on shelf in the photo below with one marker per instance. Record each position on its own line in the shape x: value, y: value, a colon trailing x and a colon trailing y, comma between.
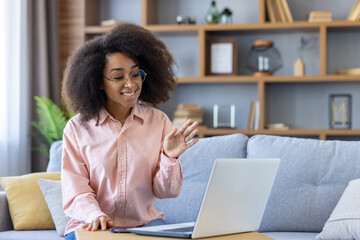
x: 188, y: 114
x: 254, y: 116
x: 178, y: 122
x: 277, y: 126
x: 109, y: 22
x: 320, y: 16
x: 188, y: 106
x: 271, y: 11
x: 285, y: 7
x: 355, y: 12
x: 251, y: 116
x: 184, y: 112
x: 278, y: 11
x: 281, y: 11
x: 257, y: 115
x: 350, y: 71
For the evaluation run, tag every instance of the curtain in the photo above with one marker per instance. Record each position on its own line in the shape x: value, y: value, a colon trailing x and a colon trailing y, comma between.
x: 44, y: 61
x: 14, y: 90
x: 29, y: 66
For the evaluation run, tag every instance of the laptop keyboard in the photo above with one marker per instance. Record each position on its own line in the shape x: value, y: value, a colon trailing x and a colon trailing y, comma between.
x: 184, y: 229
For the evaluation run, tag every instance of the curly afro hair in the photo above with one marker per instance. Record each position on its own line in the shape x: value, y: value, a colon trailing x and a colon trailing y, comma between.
x: 84, y: 71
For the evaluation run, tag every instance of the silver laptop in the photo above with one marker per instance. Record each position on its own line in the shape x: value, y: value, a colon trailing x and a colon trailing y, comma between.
x: 234, y: 200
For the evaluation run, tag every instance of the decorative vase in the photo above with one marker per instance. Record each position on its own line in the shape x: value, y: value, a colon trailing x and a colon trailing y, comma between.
x: 299, y: 67
x: 263, y: 58
x: 212, y: 15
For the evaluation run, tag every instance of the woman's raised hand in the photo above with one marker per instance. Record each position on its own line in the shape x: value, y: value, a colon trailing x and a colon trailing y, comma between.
x: 178, y: 140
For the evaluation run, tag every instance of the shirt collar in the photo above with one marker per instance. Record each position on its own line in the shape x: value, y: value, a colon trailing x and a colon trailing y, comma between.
x: 136, y: 113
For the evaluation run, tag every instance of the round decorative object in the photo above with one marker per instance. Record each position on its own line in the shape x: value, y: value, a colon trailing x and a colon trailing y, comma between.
x: 263, y: 58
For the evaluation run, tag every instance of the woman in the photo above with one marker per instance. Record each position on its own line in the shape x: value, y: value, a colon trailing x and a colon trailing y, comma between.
x: 120, y: 154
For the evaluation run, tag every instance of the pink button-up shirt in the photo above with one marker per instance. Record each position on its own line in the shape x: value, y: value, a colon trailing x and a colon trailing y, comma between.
x: 116, y: 170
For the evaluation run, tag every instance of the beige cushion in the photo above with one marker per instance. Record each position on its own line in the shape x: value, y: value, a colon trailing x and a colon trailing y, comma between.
x: 27, y: 205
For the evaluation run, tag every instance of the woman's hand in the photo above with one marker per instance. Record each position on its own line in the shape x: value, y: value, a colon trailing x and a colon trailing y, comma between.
x: 177, y: 141
x: 104, y: 222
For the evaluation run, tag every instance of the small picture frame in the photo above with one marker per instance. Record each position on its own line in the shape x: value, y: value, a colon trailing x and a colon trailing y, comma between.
x: 340, y: 111
x: 224, y: 116
x: 221, y: 58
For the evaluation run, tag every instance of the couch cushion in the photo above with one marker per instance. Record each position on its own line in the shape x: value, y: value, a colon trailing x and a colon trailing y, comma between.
x: 53, y: 197
x: 33, y: 235
x: 25, y: 201
x: 311, y: 178
x: 5, y: 220
x: 54, y: 164
x: 197, y: 164
x: 344, y: 222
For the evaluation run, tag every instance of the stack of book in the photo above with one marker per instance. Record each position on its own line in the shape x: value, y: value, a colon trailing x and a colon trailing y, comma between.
x: 110, y: 22
x: 350, y: 71
x: 320, y: 16
x: 184, y: 112
x: 355, y: 12
x: 278, y: 11
x: 277, y: 126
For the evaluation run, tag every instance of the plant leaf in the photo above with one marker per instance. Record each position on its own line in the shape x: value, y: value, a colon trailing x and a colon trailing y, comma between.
x: 51, y: 119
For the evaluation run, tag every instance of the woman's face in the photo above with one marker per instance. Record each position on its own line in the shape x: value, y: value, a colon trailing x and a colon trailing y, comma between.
x: 122, y: 81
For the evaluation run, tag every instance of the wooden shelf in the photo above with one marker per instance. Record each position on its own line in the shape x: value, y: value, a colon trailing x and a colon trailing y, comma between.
x: 252, y: 26
x: 272, y: 79
x: 219, y: 79
x: 320, y: 133
x: 94, y: 29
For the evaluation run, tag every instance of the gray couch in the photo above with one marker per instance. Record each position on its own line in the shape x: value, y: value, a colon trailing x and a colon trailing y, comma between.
x: 311, y: 179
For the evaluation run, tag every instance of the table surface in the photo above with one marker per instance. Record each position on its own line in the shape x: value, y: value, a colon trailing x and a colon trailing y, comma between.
x: 82, y: 234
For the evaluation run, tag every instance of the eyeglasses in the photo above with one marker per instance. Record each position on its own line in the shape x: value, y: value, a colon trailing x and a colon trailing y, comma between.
x: 137, y: 77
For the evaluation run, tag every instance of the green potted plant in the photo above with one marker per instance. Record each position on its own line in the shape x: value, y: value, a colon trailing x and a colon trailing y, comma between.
x: 51, y: 123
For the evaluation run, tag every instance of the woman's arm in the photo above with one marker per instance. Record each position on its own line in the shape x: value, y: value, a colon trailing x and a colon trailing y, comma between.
x: 79, y: 199
x: 168, y: 179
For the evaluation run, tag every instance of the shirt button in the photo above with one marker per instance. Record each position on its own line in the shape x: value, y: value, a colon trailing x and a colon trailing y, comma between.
x: 121, y: 158
x: 120, y: 204
x: 121, y: 182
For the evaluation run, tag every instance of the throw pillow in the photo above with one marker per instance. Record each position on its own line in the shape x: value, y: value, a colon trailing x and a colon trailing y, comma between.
x: 53, y: 196
x: 344, y: 222
x: 27, y: 206
x: 54, y: 164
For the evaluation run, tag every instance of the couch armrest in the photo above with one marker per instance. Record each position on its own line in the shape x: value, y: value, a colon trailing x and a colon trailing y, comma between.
x: 5, y: 219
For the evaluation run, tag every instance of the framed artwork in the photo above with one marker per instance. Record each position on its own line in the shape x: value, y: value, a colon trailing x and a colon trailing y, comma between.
x: 340, y: 111
x: 221, y: 57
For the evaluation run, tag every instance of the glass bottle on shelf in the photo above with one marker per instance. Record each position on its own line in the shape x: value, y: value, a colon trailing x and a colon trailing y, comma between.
x: 212, y: 15
x: 226, y: 17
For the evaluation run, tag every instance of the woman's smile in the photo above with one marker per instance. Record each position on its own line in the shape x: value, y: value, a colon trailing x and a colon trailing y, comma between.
x: 128, y: 94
